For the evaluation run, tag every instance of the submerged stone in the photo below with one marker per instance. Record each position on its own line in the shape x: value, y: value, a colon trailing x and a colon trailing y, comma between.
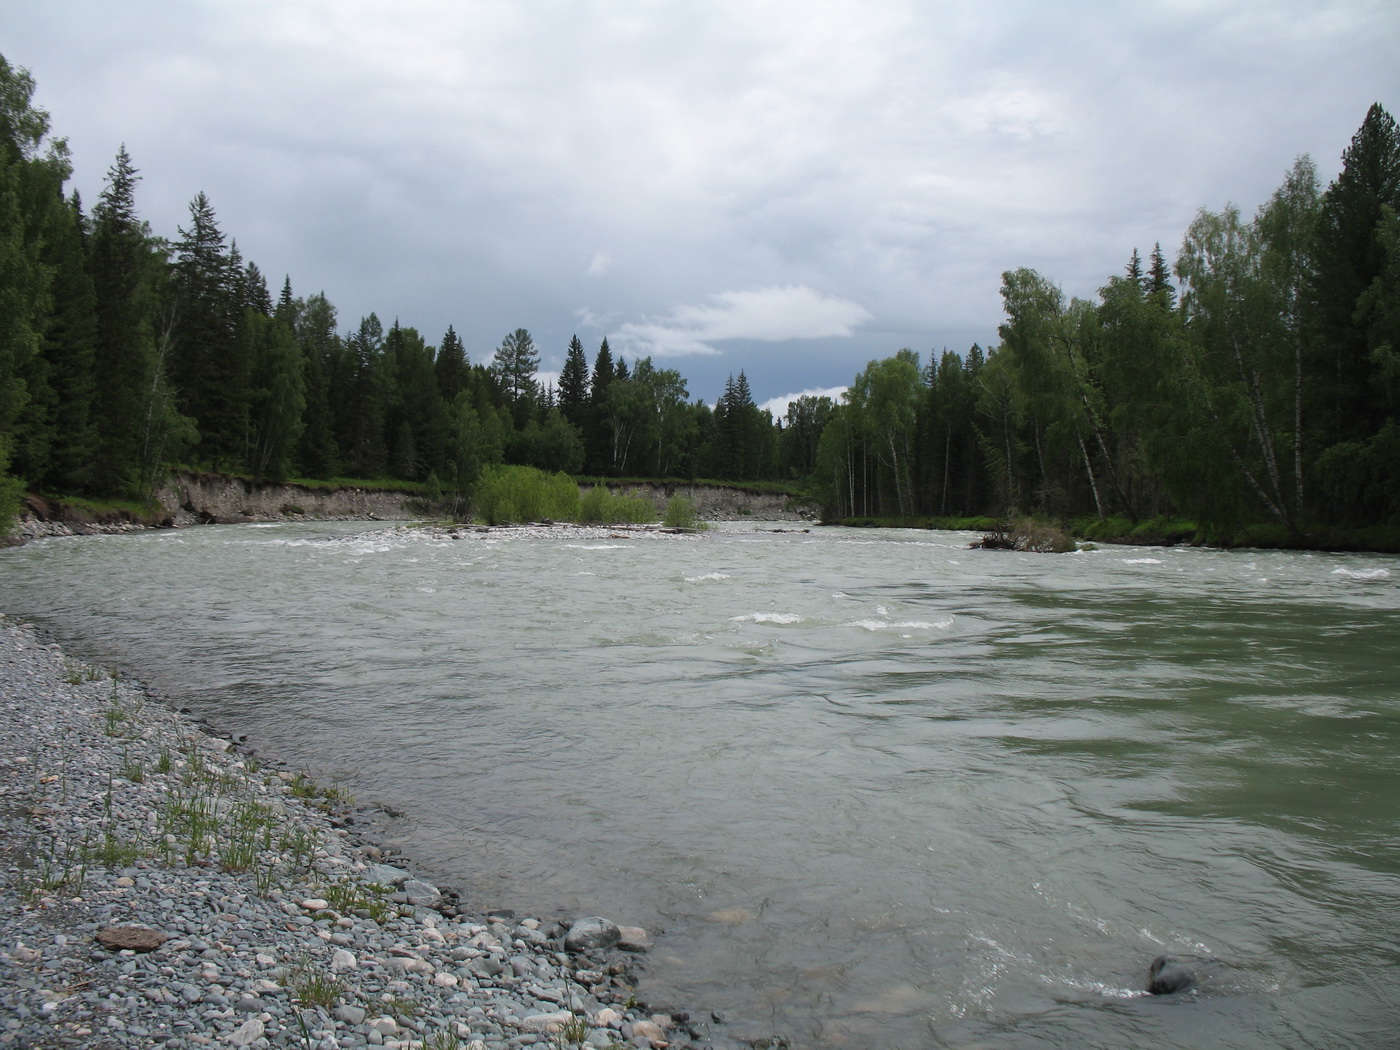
x: 1169, y: 974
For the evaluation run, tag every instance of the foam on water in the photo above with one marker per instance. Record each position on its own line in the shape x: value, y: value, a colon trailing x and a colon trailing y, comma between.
x: 1362, y: 574
x: 779, y: 618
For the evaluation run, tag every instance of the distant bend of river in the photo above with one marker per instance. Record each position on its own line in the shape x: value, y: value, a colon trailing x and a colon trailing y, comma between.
x: 878, y: 789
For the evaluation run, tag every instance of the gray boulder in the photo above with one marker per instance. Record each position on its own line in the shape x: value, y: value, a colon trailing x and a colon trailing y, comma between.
x: 591, y: 932
x: 1170, y: 974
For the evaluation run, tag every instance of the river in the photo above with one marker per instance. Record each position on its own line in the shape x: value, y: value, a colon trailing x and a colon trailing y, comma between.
x: 876, y: 788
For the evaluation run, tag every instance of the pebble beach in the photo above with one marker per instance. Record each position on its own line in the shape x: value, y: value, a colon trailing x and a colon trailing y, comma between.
x: 161, y: 888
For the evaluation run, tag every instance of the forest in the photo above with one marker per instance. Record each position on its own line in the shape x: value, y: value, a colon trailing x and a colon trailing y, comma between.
x: 1252, y: 382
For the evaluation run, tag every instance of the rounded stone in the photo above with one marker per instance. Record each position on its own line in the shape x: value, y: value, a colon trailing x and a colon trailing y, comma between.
x: 591, y: 932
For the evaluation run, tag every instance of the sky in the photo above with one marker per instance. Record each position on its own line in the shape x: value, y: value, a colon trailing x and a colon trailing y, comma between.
x: 791, y: 188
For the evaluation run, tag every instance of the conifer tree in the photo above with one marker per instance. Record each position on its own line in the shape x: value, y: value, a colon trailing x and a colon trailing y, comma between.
x: 24, y: 283
x: 598, y: 438
x: 135, y: 414
x: 317, y: 454
x: 573, y: 385
x: 69, y: 347
x: 1348, y: 256
x: 209, y: 362
x: 450, y: 366
x: 515, y: 365
x: 1159, y: 283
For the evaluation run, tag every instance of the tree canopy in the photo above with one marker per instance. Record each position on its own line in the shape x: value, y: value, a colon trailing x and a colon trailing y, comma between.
x: 1256, y: 378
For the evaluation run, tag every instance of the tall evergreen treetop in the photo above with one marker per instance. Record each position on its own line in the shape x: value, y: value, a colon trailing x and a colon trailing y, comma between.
x: 515, y: 364
x: 573, y: 384
x: 603, y: 372
x: 1348, y: 255
x: 450, y: 365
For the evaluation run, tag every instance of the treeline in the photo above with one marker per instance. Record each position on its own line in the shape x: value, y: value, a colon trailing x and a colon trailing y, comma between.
x: 1254, y: 380
x: 122, y: 353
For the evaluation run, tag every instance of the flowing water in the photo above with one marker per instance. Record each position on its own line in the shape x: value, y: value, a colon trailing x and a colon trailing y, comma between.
x: 878, y: 789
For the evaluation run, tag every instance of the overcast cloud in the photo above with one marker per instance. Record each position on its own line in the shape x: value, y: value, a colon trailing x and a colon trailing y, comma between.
x: 787, y: 187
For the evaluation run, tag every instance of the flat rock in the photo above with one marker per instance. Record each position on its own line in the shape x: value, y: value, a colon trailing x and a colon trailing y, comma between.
x: 131, y: 938
x: 386, y: 875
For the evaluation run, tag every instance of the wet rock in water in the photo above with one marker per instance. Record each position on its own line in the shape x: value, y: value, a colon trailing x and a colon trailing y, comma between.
x: 591, y: 932
x: 1178, y: 973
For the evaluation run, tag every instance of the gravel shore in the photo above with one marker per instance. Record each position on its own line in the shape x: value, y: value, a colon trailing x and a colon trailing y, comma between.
x: 160, y: 889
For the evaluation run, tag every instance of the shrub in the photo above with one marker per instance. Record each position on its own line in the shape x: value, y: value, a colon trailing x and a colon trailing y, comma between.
x: 1028, y: 534
x: 506, y: 494
x: 601, y: 506
x: 680, y: 514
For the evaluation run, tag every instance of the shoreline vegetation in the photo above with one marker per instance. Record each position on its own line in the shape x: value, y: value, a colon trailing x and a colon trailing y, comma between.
x: 506, y: 495
x: 162, y: 886
x: 1163, y: 532
x: 1253, y: 378
x: 513, y: 495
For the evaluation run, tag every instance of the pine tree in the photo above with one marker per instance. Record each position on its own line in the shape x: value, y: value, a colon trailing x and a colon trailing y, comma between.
x: 450, y: 366
x: 573, y: 385
x: 69, y: 348
x: 24, y: 284
x: 1348, y: 256
x: 515, y: 365
x: 317, y: 454
x: 1159, y: 283
x: 209, y: 366
x: 1134, y: 270
x: 597, y: 434
x: 134, y: 415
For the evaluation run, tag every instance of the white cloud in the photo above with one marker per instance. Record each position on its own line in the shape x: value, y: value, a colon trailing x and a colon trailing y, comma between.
x: 779, y: 405
x: 494, y: 165
x: 772, y: 315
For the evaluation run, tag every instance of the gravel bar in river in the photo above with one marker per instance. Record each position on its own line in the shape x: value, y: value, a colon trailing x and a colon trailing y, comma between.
x: 160, y: 889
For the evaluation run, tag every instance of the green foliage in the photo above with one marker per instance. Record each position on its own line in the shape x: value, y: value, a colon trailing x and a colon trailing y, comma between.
x: 601, y: 506
x: 681, y: 514
x: 311, y: 987
x: 511, y: 495
x: 1265, y: 389
x: 1029, y: 535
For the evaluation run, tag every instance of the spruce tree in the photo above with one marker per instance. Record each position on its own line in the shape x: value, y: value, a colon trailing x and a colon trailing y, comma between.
x: 1348, y: 255
x: 69, y: 348
x: 573, y: 385
x: 317, y: 454
x: 450, y: 365
x: 1159, y: 283
x: 127, y: 265
x: 209, y: 364
x: 597, y: 435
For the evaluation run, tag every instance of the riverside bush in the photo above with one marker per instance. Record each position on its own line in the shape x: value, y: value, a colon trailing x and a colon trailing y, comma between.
x: 506, y: 494
x: 601, y: 506
x: 681, y: 514
x: 513, y: 494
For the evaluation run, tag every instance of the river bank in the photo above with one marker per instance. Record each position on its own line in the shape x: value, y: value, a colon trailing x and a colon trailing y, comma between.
x: 200, y: 498
x: 160, y: 888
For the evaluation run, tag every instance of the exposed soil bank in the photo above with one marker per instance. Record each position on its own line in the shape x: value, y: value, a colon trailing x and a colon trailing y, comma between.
x: 191, y: 498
